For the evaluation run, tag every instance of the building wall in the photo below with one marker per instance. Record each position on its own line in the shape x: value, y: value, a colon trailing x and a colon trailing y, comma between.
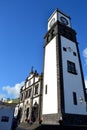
x: 50, y: 79
x: 63, y: 94
x: 28, y: 99
x: 72, y: 82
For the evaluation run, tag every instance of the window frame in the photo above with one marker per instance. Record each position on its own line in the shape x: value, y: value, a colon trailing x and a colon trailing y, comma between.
x: 46, y: 88
x: 74, y: 98
x: 36, y: 89
x: 71, y: 67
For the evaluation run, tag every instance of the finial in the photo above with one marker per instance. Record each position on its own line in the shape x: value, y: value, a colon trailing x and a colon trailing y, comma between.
x: 32, y: 69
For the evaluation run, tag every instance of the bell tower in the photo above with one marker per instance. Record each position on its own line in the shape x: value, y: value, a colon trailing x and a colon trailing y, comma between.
x: 64, y: 95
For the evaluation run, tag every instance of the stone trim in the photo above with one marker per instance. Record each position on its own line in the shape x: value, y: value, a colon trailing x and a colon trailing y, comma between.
x: 50, y: 119
x: 74, y: 119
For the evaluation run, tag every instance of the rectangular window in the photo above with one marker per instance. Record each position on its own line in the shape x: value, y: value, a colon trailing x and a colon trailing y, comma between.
x: 74, y: 98
x: 71, y: 67
x: 26, y: 94
x: 4, y: 119
x: 74, y: 53
x: 36, y: 89
x: 64, y: 49
x: 29, y: 92
x: 45, y: 89
x: 27, y: 112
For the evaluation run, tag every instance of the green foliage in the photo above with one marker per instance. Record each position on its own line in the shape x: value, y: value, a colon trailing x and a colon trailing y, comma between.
x: 15, y: 100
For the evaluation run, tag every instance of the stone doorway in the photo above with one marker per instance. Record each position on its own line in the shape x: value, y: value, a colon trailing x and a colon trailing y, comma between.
x: 34, y: 114
x: 27, y: 112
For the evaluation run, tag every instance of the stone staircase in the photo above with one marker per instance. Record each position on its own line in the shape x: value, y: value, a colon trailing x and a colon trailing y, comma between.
x: 36, y: 126
x: 28, y: 126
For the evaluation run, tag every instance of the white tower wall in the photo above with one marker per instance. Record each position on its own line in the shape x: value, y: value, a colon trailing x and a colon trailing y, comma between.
x: 64, y: 95
x: 72, y: 82
x: 50, y: 79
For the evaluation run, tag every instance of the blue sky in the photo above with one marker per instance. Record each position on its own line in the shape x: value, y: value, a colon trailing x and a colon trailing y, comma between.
x: 23, y: 24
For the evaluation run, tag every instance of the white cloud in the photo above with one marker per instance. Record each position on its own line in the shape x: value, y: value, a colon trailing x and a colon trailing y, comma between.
x: 85, y: 52
x: 13, y: 91
x: 85, y: 55
x: 86, y: 83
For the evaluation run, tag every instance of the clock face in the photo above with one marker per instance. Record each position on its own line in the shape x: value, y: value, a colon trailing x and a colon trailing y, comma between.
x: 64, y: 20
x: 52, y: 22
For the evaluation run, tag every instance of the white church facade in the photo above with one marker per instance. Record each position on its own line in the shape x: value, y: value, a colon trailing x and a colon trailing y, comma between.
x: 61, y: 96
x: 31, y: 98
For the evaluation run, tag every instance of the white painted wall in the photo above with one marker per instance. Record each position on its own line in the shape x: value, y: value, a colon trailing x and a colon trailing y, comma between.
x: 36, y: 79
x: 30, y: 76
x: 36, y: 100
x: 72, y: 82
x: 50, y: 79
x: 52, y: 17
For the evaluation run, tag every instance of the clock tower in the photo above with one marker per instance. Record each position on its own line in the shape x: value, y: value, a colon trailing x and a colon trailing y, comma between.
x: 64, y: 95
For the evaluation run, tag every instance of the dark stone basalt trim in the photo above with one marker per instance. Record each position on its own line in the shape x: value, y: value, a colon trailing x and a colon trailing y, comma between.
x: 74, y: 119
x: 51, y: 34
x: 50, y: 119
x: 67, y: 32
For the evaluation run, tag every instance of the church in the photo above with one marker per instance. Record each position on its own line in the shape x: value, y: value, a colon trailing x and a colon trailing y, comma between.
x: 58, y: 95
